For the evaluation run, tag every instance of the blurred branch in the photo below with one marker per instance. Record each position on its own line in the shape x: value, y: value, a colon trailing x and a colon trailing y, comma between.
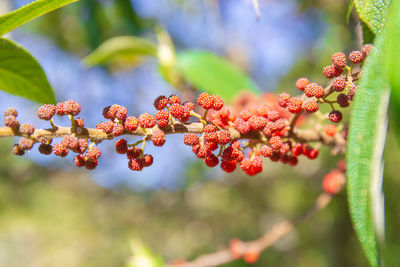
x: 268, y: 239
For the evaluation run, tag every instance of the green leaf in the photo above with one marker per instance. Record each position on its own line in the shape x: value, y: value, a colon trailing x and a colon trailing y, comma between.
x: 21, y: 74
x: 366, y: 139
x: 213, y: 74
x: 121, y: 46
x: 16, y: 18
x: 392, y: 59
x: 373, y: 13
x: 392, y: 52
x: 367, y: 34
x: 349, y: 9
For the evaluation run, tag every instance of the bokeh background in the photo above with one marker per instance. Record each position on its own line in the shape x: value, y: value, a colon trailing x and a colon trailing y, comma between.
x: 52, y: 214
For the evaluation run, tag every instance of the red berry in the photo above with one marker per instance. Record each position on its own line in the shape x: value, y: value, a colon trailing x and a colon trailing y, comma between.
x: 147, y: 121
x: 17, y: 151
x: 174, y: 99
x: 275, y: 142
x: 235, y: 144
x: 70, y: 142
x: 209, y: 128
x: 189, y: 105
x: 297, y: 150
x: 245, y: 114
x: 136, y: 164
x: 333, y: 182
x: 330, y: 130
x: 162, y: 123
x: 230, y: 154
x: 266, y: 151
x: 339, y: 60
x: 79, y: 160
x: 93, y: 154
x: 131, y: 123
x: 218, y: 103
x: 302, y: 83
x: 71, y: 108
x: 356, y: 57
x: 26, y: 129
x: 339, y: 84
x: 224, y: 137
x: 133, y: 153
x: 251, y: 255
x: 283, y: 100
x: 46, y: 112
x: 267, y: 131
x: 285, y: 148
x: 91, y: 164
x: 191, y: 139
x: 343, y: 100
x: 25, y: 143
x: 60, y: 110
x: 205, y: 100
x: 60, y: 150
x: 10, y: 112
x: 241, y: 125
x: 100, y: 125
x: 293, y: 161
x: 108, y: 127
x: 228, y: 166
x: 121, y: 146
x: 335, y: 116
x: 79, y: 122
x: 82, y: 145
x: 366, y: 49
x: 295, y: 104
x: 264, y: 109
x: 311, y: 106
x: 210, y: 137
x: 202, y: 152
x: 45, y: 149
x: 148, y: 160
x: 314, y: 89
x: 160, y: 102
x: 211, y: 145
x: 257, y: 122
x: 162, y: 115
x: 273, y: 115
x: 245, y: 164
x: 121, y: 113
x: 11, y: 121
x: 118, y: 129
x: 352, y: 92
x: 236, y: 248
x: 312, y: 153
x: 211, y: 160
x: 158, y: 138
x: 329, y: 71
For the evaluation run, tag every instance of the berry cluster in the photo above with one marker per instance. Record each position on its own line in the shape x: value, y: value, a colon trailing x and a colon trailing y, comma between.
x: 252, y: 129
x: 314, y: 94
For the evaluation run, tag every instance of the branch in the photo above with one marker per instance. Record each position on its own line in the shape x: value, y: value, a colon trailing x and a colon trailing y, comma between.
x: 97, y: 135
x: 268, y: 239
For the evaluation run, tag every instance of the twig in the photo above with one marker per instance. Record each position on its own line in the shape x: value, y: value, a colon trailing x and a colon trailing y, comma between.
x: 278, y: 231
x: 97, y: 135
